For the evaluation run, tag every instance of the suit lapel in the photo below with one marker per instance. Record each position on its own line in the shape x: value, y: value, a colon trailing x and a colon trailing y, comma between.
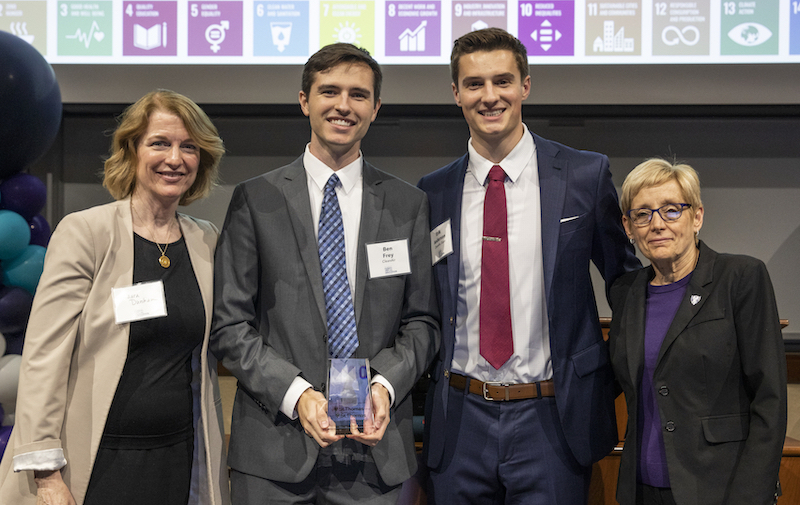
x: 552, y: 189
x: 295, y: 191
x: 455, y: 193
x: 371, y: 211
x: 634, y: 323
x: 693, y: 301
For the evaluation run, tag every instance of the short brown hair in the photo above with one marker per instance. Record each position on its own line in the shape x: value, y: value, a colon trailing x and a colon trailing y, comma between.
x: 489, y: 39
x: 119, y: 174
x: 655, y: 172
x: 335, y: 54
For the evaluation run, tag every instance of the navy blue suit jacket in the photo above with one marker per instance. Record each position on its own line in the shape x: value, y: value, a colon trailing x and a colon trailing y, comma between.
x: 581, y: 222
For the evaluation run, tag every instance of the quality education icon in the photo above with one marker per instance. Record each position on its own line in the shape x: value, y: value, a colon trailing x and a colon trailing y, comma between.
x: 149, y: 29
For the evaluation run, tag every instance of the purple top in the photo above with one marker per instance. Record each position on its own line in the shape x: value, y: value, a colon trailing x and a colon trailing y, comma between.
x: 662, y: 304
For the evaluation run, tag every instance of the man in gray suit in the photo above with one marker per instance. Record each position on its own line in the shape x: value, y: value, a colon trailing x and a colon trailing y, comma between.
x: 276, y: 318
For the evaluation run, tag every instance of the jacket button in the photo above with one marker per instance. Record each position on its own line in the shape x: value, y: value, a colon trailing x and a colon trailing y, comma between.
x: 451, y: 320
x: 670, y: 426
x: 447, y: 374
x: 325, y: 337
x: 322, y: 388
x: 663, y: 391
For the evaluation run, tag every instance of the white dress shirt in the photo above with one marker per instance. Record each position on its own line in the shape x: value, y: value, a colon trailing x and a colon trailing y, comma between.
x: 350, y: 194
x: 530, y: 361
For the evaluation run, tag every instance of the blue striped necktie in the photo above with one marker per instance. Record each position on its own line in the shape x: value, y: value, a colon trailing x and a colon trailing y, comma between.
x: 342, y: 337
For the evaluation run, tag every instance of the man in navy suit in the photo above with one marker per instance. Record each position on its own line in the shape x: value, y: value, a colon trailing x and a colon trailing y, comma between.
x: 522, y: 395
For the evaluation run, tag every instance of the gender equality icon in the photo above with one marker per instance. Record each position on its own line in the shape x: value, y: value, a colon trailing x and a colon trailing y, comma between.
x: 215, y: 28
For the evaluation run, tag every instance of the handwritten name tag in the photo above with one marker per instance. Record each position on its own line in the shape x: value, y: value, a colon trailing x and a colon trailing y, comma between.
x: 139, y: 302
x: 386, y: 259
x: 441, y: 242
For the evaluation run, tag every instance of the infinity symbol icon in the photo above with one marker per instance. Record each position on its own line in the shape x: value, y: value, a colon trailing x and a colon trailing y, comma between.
x: 679, y: 35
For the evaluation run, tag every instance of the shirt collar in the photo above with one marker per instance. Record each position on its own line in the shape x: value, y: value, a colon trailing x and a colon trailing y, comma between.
x: 319, y: 172
x: 513, y: 164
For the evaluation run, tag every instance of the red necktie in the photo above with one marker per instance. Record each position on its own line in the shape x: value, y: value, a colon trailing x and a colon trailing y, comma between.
x: 497, y: 344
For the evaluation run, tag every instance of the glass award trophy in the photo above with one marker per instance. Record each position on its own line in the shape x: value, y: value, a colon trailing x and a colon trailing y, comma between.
x: 349, y: 393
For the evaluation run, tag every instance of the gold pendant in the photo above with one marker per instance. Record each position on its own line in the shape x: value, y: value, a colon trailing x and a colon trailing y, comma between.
x: 164, y: 261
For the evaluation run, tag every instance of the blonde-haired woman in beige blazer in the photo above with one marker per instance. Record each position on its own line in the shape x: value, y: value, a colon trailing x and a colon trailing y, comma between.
x: 119, y: 403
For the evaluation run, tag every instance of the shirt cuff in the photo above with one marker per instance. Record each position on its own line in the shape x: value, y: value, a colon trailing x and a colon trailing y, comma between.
x: 380, y: 379
x: 47, y: 460
x: 289, y: 403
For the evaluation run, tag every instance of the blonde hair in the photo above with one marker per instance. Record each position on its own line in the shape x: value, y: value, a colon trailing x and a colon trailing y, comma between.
x: 119, y: 174
x: 655, y: 172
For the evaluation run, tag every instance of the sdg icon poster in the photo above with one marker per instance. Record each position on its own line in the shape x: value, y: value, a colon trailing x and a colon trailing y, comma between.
x: 794, y: 27
x: 749, y: 27
x: 84, y: 29
x: 26, y: 20
x: 547, y: 28
x: 215, y: 28
x: 613, y: 29
x: 280, y: 28
x: 150, y: 28
x: 413, y: 28
x: 351, y: 22
x: 470, y: 16
x: 681, y: 28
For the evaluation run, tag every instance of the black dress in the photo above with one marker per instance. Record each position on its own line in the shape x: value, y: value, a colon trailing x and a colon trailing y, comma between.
x: 145, y: 455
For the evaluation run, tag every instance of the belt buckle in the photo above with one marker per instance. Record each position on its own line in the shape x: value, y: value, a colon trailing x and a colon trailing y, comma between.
x: 486, y: 390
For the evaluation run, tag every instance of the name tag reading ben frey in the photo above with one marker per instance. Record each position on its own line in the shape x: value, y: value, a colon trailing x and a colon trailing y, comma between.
x: 138, y: 302
x: 386, y: 259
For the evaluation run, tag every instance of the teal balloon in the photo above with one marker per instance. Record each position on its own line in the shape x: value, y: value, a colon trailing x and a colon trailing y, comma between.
x: 15, y: 234
x: 24, y: 270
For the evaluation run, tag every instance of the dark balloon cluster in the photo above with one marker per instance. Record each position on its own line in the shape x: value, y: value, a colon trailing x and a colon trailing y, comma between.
x: 30, y: 116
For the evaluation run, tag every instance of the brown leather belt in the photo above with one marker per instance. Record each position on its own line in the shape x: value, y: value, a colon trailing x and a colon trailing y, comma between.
x: 502, y: 392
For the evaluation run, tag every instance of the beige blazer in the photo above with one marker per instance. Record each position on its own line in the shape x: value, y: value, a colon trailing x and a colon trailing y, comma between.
x: 74, y: 354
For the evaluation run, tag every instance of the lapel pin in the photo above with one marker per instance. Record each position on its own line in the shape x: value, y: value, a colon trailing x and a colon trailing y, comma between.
x: 695, y: 299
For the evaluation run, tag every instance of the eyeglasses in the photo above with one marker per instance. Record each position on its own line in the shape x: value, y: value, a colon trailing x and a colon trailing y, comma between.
x: 669, y: 213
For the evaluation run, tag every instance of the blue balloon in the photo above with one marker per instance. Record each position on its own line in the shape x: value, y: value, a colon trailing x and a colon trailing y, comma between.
x: 15, y: 234
x: 5, y: 435
x: 25, y: 194
x: 14, y: 342
x: 15, y: 307
x: 30, y: 104
x: 24, y: 270
x: 40, y: 230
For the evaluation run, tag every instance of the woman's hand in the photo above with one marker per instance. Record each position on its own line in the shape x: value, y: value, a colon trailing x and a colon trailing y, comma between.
x: 51, y: 489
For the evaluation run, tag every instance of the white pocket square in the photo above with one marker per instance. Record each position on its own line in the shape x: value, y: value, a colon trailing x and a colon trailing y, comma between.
x: 568, y: 219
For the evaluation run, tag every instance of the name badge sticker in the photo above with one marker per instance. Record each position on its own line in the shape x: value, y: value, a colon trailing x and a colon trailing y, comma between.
x: 387, y: 259
x: 441, y: 242
x: 139, y: 302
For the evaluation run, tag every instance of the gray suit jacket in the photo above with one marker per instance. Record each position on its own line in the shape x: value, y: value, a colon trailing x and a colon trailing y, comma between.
x: 270, y: 324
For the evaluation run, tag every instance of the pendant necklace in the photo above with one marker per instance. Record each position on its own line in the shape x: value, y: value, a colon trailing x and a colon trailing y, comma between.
x: 163, y: 260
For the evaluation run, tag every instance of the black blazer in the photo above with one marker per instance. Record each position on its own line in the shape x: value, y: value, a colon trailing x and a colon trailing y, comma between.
x: 720, y: 378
